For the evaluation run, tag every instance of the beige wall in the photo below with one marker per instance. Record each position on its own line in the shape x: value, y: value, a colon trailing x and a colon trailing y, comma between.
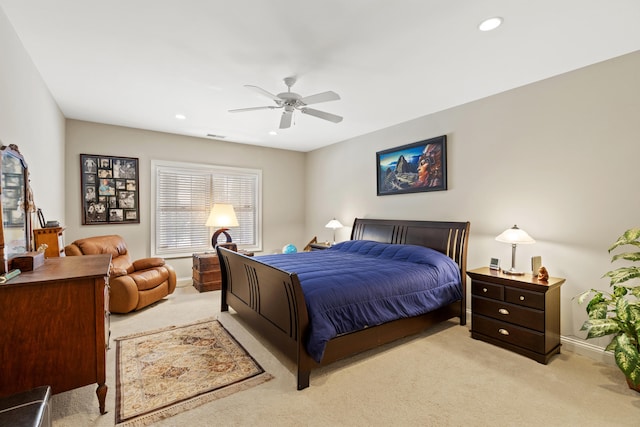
x: 283, y: 197
x: 558, y: 157
x: 30, y: 119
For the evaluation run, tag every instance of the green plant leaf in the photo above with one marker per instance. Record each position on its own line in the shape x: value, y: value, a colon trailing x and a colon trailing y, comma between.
x: 634, y: 376
x: 622, y: 310
x: 629, y: 256
x: 583, y: 296
x: 630, y: 237
x: 622, y: 274
x: 635, y: 291
x: 612, y: 345
x: 597, y: 307
x: 619, y: 291
x: 600, y: 327
x: 627, y: 358
x: 598, y: 311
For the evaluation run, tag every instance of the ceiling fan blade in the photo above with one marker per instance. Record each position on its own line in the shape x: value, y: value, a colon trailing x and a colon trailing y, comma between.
x: 264, y: 93
x: 240, y: 110
x: 285, y: 120
x: 321, y: 114
x: 320, y: 97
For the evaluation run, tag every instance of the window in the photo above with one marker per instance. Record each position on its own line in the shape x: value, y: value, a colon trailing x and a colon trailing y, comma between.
x: 183, y: 196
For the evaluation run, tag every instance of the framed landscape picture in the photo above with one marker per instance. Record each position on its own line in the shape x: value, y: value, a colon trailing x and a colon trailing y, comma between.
x: 413, y: 168
x: 109, y: 189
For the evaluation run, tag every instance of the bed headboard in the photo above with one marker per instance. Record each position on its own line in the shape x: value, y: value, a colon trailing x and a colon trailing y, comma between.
x: 449, y: 238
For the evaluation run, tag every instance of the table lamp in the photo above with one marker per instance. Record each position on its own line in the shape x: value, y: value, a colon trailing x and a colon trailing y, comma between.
x: 334, y: 224
x: 515, y: 236
x: 222, y: 215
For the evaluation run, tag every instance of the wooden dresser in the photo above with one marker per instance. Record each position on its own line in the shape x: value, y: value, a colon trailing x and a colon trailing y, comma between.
x: 519, y: 313
x: 54, y: 326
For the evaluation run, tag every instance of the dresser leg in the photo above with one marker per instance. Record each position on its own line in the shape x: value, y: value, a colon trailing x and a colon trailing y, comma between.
x: 101, y: 392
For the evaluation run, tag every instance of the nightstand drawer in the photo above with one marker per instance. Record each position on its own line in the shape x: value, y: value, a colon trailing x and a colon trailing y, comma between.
x: 514, y: 314
x: 487, y: 290
x: 525, y: 298
x: 508, y: 333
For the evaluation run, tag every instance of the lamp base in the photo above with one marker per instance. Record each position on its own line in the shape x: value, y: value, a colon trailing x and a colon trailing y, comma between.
x: 513, y: 272
x: 227, y: 244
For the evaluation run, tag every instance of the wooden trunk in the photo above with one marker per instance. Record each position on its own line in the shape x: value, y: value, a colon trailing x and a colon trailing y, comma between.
x: 206, y: 272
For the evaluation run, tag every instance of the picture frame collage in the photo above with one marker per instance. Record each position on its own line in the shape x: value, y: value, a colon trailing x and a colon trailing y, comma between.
x: 110, y: 189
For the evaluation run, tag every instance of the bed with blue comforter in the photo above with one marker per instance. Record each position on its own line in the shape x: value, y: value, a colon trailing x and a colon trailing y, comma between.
x: 361, y: 283
x: 392, y: 279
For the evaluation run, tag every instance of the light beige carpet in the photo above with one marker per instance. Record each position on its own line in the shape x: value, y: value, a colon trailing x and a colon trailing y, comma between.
x: 442, y: 377
x: 162, y: 373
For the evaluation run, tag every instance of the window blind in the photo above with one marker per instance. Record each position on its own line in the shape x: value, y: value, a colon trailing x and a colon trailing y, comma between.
x: 184, y: 197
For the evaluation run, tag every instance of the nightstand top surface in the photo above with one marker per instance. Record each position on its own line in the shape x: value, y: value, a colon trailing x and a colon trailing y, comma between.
x: 526, y: 278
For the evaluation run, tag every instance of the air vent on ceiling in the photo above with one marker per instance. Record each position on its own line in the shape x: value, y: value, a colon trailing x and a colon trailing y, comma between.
x: 211, y: 135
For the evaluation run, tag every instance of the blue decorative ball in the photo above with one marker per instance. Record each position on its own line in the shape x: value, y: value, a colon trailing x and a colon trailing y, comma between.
x: 289, y: 249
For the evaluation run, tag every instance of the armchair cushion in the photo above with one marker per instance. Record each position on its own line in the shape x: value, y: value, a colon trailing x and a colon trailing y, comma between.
x: 132, y: 285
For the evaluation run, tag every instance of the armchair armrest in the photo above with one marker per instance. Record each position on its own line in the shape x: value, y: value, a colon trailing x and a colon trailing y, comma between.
x: 145, y: 263
x: 117, y: 271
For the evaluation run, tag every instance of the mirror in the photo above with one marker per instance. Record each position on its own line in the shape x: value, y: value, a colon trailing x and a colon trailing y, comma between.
x: 15, y: 233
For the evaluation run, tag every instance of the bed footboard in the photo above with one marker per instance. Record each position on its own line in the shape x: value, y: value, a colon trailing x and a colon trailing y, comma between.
x: 271, y: 301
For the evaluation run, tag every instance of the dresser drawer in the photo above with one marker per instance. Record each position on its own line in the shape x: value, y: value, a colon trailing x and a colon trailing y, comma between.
x: 524, y: 298
x: 487, y: 290
x: 508, y: 333
x: 512, y: 313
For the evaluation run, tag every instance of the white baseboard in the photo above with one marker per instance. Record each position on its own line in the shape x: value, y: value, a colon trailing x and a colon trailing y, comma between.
x: 595, y: 352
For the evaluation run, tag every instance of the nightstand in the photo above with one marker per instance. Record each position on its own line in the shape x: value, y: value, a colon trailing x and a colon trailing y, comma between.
x: 518, y: 313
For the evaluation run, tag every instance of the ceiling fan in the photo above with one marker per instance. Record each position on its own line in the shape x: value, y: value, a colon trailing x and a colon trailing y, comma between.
x: 291, y: 101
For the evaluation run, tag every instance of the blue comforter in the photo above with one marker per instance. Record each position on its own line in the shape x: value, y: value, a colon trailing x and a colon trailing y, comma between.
x: 359, y: 283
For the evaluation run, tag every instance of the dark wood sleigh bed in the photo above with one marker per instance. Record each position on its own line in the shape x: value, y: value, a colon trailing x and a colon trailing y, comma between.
x: 271, y: 301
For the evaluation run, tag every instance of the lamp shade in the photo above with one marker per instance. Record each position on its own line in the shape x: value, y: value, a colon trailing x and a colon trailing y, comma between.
x: 515, y: 235
x: 334, y: 224
x: 222, y: 215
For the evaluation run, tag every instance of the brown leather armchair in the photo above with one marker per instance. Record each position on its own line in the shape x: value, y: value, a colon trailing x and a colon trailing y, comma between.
x: 132, y: 284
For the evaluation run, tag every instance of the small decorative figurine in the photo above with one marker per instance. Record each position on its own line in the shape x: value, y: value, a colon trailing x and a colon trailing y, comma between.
x: 543, y: 274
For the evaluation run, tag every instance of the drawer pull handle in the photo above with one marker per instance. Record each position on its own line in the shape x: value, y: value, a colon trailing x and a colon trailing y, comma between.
x: 503, y: 311
x: 503, y: 331
x: 521, y: 297
x: 484, y: 290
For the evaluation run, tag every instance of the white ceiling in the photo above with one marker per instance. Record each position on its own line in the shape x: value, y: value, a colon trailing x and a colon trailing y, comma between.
x: 138, y: 63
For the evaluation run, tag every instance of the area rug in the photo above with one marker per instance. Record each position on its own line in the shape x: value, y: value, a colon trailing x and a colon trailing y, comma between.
x: 162, y: 373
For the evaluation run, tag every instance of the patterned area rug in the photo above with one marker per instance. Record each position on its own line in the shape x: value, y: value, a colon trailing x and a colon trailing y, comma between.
x: 165, y: 372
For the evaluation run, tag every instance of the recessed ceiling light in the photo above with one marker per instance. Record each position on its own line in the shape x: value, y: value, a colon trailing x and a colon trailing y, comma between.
x: 490, y: 24
x: 273, y: 132
x: 180, y: 116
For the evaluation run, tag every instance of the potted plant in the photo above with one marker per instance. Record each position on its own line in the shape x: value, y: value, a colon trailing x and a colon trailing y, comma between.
x: 617, y: 312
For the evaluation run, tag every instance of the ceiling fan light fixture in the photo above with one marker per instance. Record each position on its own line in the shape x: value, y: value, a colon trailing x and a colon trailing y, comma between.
x: 290, y: 102
x: 490, y: 23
